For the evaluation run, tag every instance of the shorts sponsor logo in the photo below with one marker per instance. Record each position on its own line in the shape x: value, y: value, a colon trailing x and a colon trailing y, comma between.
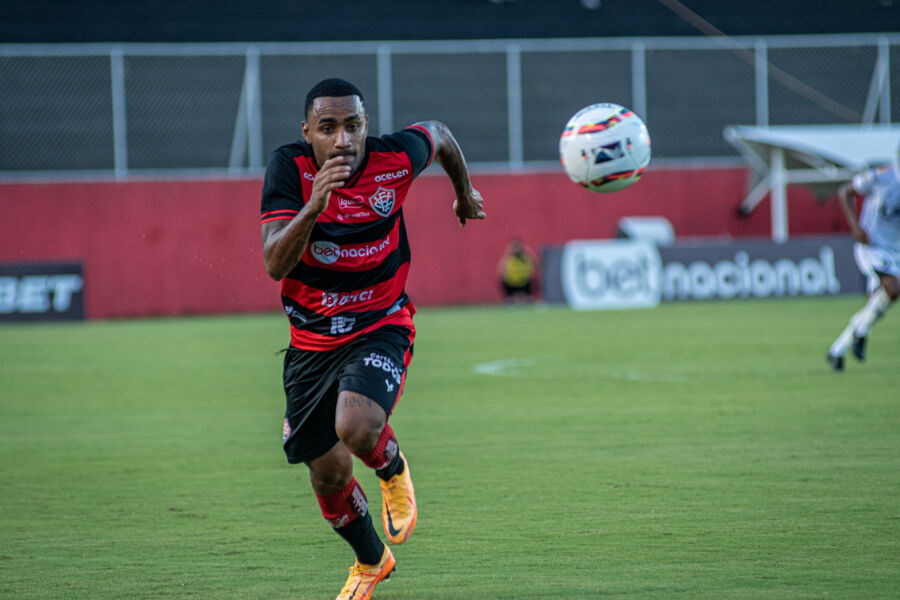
x: 391, y: 176
x: 331, y: 299
x: 382, y: 201
x: 329, y: 252
x: 383, y: 363
x: 286, y: 431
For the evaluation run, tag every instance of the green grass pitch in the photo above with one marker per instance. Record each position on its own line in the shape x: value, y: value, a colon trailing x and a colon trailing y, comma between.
x: 691, y: 451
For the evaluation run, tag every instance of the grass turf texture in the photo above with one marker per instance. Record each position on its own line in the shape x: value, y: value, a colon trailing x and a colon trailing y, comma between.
x: 690, y: 451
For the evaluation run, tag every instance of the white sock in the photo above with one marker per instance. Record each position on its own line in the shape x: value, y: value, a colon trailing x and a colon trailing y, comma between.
x: 873, y: 310
x: 842, y: 343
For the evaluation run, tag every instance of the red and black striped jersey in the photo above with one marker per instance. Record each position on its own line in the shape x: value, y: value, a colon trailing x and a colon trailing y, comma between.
x: 352, y: 276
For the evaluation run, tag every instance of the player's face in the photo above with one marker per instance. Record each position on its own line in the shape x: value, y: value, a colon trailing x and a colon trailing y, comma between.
x: 337, y: 127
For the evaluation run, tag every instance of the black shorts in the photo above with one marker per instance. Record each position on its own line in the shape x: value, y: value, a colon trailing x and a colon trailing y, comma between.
x: 373, y: 365
x: 511, y: 290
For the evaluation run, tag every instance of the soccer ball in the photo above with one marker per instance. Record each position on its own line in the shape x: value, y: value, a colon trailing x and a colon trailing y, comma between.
x: 604, y: 147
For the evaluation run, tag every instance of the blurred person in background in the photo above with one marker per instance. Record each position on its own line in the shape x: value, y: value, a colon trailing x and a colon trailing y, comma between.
x: 517, y: 271
x: 333, y: 234
x: 877, y: 251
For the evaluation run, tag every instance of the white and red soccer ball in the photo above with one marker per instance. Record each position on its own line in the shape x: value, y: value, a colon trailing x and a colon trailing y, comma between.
x: 605, y: 147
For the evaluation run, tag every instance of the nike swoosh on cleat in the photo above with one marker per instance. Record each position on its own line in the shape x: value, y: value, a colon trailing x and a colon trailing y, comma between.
x: 391, y: 529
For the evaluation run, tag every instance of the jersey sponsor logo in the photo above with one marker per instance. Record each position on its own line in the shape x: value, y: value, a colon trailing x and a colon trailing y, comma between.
x: 308, y: 176
x: 382, y: 201
x: 328, y: 252
x: 351, y: 203
x: 332, y: 299
x: 325, y: 252
x: 357, y: 215
x: 383, y: 363
x: 293, y: 313
x: 391, y: 176
x: 341, y: 324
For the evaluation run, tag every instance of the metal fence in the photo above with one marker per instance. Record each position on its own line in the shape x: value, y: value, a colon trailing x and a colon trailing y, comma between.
x: 161, y: 109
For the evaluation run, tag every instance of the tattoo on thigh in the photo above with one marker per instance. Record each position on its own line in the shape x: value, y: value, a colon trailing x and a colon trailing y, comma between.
x: 353, y: 400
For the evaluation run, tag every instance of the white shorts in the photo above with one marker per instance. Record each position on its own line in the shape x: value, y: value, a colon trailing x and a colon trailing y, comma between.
x: 876, y: 259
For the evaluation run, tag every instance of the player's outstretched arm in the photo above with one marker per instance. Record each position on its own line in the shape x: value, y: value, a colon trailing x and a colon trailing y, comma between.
x: 468, y: 203
x: 847, y: 200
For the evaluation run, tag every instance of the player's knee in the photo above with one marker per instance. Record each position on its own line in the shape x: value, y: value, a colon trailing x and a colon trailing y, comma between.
x: 358, y: 422
x: 360, y: 435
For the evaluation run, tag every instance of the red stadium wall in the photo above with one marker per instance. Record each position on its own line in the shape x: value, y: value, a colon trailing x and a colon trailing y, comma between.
x: 183, y: 247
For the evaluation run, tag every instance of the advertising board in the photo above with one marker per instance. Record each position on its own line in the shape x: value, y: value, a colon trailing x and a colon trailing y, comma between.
x: 592, y: 274
x: 41, y: 292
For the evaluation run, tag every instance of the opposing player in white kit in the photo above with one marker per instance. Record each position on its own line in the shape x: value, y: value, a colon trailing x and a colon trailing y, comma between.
x: 877, y: 233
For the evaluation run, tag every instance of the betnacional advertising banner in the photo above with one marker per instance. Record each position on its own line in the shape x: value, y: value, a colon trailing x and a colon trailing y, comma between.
x: 41, y: 292
x: 601, y: 274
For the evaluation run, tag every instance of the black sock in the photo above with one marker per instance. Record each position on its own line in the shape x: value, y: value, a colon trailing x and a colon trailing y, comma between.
x: 394, y: 468
x: 361, y: 536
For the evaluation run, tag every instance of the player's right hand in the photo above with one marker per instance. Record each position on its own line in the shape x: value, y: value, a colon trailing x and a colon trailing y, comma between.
x: 469, y: 207
x: 335, y: 173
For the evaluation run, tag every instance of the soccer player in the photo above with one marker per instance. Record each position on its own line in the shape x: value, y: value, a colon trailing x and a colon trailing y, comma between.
x: 333, y: 234
x: 877, y: 251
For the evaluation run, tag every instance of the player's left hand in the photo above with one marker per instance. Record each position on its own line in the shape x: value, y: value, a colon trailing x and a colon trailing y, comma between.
x: 469, y: 207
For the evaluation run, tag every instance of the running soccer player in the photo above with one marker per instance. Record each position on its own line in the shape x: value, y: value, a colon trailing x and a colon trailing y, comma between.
x: 333, y: 234
x: 877, y: 251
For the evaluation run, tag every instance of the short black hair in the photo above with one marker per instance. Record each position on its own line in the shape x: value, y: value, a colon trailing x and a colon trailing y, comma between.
x: 331, y: 88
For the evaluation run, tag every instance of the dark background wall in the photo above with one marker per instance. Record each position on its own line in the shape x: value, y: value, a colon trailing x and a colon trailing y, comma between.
x: 26, y: 21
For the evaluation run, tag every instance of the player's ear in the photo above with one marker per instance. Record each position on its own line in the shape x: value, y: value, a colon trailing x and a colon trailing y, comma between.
x: 304, y: 131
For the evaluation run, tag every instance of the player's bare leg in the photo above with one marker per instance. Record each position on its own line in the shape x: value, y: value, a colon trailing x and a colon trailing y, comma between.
x: 362, y: 424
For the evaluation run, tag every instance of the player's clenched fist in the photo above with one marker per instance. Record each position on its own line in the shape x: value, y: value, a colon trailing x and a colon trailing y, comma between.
x: 469, y: 207
x: 334, y: 174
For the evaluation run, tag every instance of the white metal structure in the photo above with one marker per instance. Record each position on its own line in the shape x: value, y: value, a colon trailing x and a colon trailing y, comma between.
x: 821, y: 156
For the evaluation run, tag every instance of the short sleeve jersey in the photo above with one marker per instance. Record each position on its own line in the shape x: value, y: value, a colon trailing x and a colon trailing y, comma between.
x: 880, y: 216
x: 351, y: 279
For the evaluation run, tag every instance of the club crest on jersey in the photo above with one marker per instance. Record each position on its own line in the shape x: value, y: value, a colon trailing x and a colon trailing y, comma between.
x: 382, y: 201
